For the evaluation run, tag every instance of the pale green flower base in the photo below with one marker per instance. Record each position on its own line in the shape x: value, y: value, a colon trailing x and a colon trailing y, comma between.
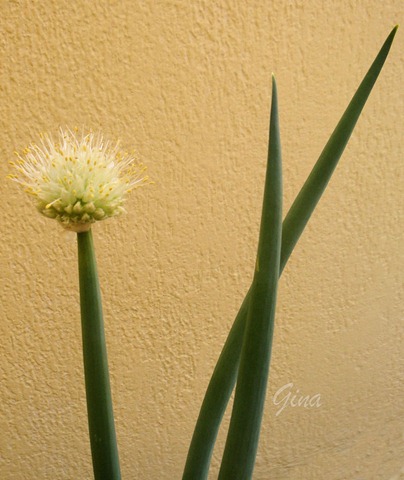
x: 78, y: 227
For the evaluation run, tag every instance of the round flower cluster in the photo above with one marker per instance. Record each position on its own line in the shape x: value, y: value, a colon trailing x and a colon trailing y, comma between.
x: 79, y: 179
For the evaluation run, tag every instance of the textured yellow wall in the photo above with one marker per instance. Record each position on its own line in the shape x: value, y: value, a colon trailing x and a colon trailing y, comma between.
x: 188, y: 84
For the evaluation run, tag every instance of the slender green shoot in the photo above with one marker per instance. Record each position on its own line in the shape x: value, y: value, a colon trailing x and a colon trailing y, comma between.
x: 225, y: 373
x: 104, y: 449
x: 245, y: 424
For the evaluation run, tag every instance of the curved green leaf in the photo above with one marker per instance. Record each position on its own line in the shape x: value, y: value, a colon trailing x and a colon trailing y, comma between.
x: 224, y: 376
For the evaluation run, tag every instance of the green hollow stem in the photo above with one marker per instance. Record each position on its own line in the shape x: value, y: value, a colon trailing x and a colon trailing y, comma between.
x: 245, y: 424
x: 225, y: 373
x: 104, y: 449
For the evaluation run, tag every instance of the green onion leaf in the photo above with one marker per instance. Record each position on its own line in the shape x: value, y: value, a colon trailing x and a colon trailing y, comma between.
x: 245, y: 424
x: 225, y: 373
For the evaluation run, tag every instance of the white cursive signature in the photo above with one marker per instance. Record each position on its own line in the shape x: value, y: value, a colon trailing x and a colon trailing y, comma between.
x: 286, y: 396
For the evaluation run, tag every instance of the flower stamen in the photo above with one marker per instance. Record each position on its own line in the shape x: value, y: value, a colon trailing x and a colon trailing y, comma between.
x: 77, y: 180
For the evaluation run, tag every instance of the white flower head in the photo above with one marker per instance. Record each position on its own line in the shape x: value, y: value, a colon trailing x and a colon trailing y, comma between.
x: 79, y: 179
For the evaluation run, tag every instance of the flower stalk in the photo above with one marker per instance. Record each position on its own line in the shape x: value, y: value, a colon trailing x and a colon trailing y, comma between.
x: 103, y: 442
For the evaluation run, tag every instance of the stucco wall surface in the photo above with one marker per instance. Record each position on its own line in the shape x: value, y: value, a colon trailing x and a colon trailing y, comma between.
x: 187, y: 83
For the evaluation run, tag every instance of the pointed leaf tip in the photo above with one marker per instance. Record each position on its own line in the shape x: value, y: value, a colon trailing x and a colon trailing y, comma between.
x: 392, y: 33
x: 274, y: 88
